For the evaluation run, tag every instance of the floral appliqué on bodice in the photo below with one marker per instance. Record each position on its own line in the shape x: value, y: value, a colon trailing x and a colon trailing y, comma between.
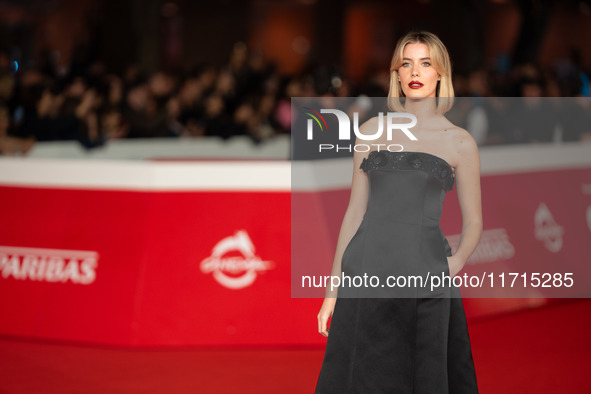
x: 408, y: 160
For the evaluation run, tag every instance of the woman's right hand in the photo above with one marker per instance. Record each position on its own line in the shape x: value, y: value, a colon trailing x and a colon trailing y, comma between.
x: 326, y: 311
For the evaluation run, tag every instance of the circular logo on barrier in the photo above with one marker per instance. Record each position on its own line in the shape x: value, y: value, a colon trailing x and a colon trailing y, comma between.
x: 547, y: 230
x: 233, y: 263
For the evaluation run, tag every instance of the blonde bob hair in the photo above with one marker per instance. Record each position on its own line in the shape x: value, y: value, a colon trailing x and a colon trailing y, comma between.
x: 440, y: 61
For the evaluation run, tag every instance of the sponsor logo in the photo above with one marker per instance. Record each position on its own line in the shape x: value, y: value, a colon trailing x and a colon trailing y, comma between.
x: 547, y: 230
x: 48, y: 265
x: 494, y: 245
x: 233, y: 262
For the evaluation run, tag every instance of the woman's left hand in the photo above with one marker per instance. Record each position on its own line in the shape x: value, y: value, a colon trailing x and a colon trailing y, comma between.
x: 455, y: 265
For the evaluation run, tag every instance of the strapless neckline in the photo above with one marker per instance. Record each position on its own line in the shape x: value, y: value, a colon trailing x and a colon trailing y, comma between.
x: 417, y: 152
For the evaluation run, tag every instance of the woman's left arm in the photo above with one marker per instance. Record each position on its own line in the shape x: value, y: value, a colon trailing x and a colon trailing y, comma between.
x: 467, y: 175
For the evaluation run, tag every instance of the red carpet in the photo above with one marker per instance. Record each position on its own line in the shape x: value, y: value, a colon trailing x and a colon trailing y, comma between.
x: 546, y: 350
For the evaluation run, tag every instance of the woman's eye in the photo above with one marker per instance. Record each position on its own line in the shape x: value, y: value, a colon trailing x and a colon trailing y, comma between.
x: 405, y: 64
x: 426, y: 64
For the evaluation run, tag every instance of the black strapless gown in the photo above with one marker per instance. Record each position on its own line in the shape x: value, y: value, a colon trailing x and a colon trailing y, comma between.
x: 416, y: 344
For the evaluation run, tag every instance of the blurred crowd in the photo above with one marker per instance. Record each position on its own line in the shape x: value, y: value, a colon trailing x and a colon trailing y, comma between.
x: 246, y: 96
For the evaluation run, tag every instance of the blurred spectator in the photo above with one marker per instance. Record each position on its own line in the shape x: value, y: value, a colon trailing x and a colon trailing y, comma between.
x: 248, y: 97
x: 7, y: 82
x: 537, y: 119
x: 575, y: 119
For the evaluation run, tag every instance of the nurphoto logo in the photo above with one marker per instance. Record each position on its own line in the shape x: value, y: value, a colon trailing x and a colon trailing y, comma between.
x: 344, y: 133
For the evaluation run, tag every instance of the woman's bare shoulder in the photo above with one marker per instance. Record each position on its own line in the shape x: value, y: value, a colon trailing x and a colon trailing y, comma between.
x: 462, y: 143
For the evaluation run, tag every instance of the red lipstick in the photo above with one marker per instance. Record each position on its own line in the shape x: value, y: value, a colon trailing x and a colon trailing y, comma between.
x: 415, y: 85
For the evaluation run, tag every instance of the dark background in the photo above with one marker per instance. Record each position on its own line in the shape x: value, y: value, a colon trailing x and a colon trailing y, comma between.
x: 357, y: 36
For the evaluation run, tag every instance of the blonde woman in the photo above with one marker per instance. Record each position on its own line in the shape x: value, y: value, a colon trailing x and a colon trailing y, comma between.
x: 409, y: 340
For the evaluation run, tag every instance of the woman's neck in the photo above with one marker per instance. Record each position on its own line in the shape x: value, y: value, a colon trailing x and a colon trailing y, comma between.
x: 421, y: 107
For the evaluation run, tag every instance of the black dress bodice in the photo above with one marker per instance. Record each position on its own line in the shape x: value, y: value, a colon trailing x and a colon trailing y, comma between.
x: 408, y: 160
x: 407, y: 187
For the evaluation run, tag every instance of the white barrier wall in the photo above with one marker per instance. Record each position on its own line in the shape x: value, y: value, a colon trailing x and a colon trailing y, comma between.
x: 144, y: 149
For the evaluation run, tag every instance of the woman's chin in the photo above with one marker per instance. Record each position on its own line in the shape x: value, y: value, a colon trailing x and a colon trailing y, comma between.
x: 415, y: 96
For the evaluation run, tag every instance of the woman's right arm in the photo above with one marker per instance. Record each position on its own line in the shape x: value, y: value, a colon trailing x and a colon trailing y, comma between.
x: 351, y: 222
